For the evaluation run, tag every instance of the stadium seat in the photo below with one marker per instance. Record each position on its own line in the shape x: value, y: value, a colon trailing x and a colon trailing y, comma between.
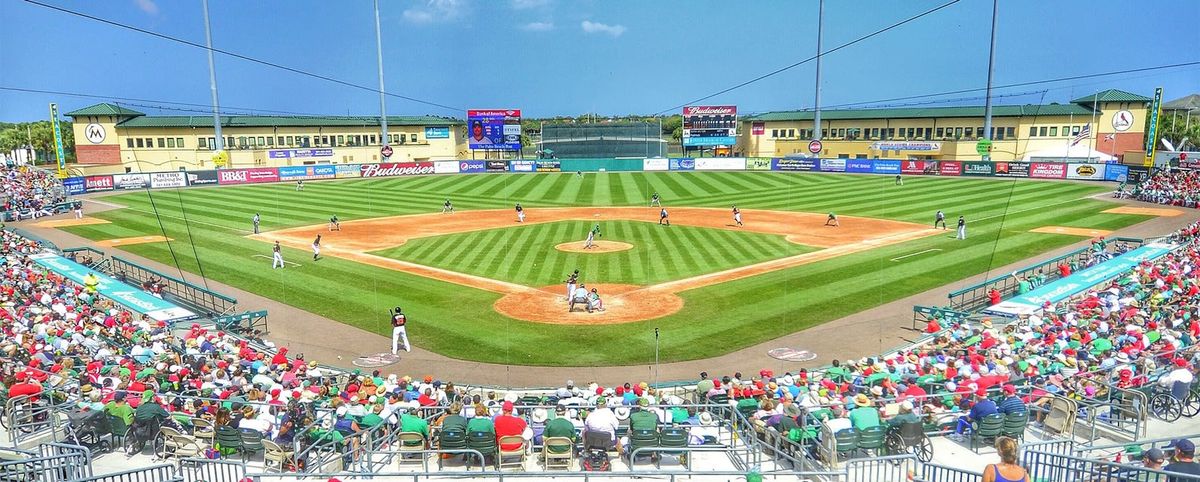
x: 228, y: 441
x: 639, y: 439
x: 558, y: 452
x: 451, y: 440
x: 276, y: 456
x: 1014, y: 425
x: 202, y: 429
x: 485, y: 443
x: 514, y: 458
x: 871, y: 439
x: 180, y: 445
x: 409, y: 448
x: 251, y: 442
x: 988, y: 427
x: 674, y: 437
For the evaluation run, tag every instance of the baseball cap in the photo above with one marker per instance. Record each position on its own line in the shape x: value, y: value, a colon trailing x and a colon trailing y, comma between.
x: 1184, y: 446
x: 1154, y: 454
x: 508, y: 406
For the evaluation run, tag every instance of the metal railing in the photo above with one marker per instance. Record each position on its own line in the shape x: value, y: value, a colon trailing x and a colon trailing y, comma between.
x: 207, y: 470
x: 889, y: 468
x: 941, y: 473
x: 154, y: 473
x: 211, y: 302
x: 1069, y: 468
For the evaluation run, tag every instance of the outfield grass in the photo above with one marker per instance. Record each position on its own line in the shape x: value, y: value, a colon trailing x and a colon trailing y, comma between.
x: 736, y: 314
x: 526, y: 254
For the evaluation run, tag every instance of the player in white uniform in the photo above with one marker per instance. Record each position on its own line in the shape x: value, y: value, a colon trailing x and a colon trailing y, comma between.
x: 571, y: 280
x: 447, y: 207
x: 316, y: 246
x: 591, y: 240
x: 520, y: 213
x: 962, y: 228
x: 399, y: 333
x: 78, y: 209
x: 737, y: 216
x: 255, y: 220
x: 277, y: 257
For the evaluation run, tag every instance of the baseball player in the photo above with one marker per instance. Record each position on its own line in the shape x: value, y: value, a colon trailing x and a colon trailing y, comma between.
x: 255, y: 220
x: 300, y: 185
x: 334, y: 224
x: 398, y: 331
x: 662, y: 217
x: 962, y: 228
x: 520, y: 213
x: 277, y: 257
x: 737, y: 215
x: 899, y: 180
x: 939, y: 218
x: 316, y: 246
x: 572, y: 279
x: 655, y: 200
x: 832, y: 220
x: 590, y: 242
x: 447, y: 207
x: 78, y: 209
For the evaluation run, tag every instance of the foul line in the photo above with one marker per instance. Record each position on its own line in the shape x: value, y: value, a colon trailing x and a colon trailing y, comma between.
x: 916, y: 253
x: 285, y: 262
x: 102, y: 203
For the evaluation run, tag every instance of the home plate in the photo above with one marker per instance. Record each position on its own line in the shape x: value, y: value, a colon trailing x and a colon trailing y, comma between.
x: 376, y: 360
x: 792, y: 354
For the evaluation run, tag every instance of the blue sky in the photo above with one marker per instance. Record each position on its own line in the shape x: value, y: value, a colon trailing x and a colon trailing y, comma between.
x: 558, y: 57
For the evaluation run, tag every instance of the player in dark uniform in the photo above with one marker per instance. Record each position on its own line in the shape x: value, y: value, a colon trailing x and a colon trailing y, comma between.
x: 899, y: 180
x: 662, y: 217
x: 655, y: 200
x: 316, y: 247
x: 520, y: 213
x: 447, y: 207
x: 737, y: 216
x: 832, y: 220
x: 399, y: 333
x: 334, y: 224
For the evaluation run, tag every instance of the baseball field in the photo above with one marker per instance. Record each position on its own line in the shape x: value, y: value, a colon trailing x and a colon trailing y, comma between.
x: 477, y: 285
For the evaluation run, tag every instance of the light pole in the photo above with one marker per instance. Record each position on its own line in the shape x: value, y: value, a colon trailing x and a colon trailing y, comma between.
x: 379, y: 59
x: 219, y: 143
x: 987, y: 103
x: 817, y: 101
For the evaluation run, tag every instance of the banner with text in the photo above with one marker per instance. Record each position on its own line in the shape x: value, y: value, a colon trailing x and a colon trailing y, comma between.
x: 131, y: 181
x: 1011, y: 169
x: 137, y: 300
x: 833, y: 165
x: 75, y: 185
x: 445, y: 167
x: 974, y: 168
x: 160, y: 180
x: 860, y: 166
x: 720, y: 163
x: 99, y: 183
x: 497, y: 166
x: 1116, y: 172
x: 549, y: 166
x: 343, y: 171
x: 682, y: 164
x: 201, y: 178
x: 250, y: 175
x: 1090, y: 172
x: 1048, y: 170
x: 886, y: 166
x: 295, y: 173
x: 472, y: 167
x: 656, y: 164
x: 950, y: 168
x: 786, y: 164
x: 758, y: 164
x: 522, y: 166
x: 392, y: 169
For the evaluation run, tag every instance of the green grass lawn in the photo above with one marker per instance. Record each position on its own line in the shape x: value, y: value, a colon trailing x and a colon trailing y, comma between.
x: 526, y: 254
x: 737, y: 314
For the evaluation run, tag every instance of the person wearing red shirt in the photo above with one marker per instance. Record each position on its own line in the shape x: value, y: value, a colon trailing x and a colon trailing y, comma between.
x: 506, y: 424
x: 933, y: 326
x: 24, y: 387
x: 994, y: 297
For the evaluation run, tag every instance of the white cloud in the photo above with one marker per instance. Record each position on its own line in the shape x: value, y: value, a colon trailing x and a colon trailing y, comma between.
x: 538, y: 26
x: 597, y: 27
x: 147, y: 6
x: 435, y: 10
x: 527, y: 4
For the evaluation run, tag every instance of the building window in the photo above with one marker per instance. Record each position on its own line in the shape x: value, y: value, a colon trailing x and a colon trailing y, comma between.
x: 129, y: 142
x: 1054, y: 131
x: 341, y: 140
x: 262, y: 141
x: 1064, y: 131
x: 940, y: 133
x: 372, y: 139
x: 998, y: 133
x: 171, y: 142
x: 957, y: 132
x: 412, y: 138
x: 279, y: 140
x: 241, y: 141
x: 1042, y: 131
x: 252, y: 143
x: 212, y: 144
x: 1010, y: 132
x: 1032, y: 131
x: 979, y: 131
x: 1074, y: 130
x: 179, y: 142
x: 774, y: 133
x: 270, y: 140
x: 202, y: 143
x: 289, y: 141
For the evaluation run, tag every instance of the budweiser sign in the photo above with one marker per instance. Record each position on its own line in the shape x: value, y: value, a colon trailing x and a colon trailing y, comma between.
x: 397, y: 169
x: 694, y: 110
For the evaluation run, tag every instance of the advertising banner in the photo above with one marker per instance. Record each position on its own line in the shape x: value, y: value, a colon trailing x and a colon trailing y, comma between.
x: 159, y: 180
x: 656, y: 164
x: 201, y: 178
x: 1011, y: 169
x: 758, y: 164
x: 472, y: 167
x: 343, y: 171
x: 299, y: 153
x: 496, y: 166
x: 247, y: 176
x: 833, y: 165
x: 912, y: 167
x: 1135, y: 175
x: 445, y: 167
x: 682, y: 164
x: 785, y: 164
x: 137, y: 300
x: 437, y: 132
x: 861, y: 166
x: 75, y: 185
x: 324, y: 171
x: 709, y: 125
x: 919, y: 146
x: 1090, y: 172
x: 950, y: 168
x: 391, y: 169
x: 1048, y: 170
x: 522, y: 166
x: 131, y: 181
x: 886, y: 166
x: 972, y: 168
x: 720, y: 164
x: 1116, y: 172
x: 758, y: 128
x: 498, y: 129
x: 549, y: 166
x: 99, y: 183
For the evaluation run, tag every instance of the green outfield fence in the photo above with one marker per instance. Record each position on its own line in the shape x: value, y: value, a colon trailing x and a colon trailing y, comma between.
x: 591, y: 165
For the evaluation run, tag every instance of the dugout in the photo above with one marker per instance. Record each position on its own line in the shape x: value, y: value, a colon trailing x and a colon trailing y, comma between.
x: 610, y: 139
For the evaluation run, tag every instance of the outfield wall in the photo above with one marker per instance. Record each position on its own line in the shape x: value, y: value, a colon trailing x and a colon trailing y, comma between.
x: 890, y: 167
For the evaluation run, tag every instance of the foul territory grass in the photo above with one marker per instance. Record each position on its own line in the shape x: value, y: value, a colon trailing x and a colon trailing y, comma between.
x: 526, y: 254
x: 459, y: 322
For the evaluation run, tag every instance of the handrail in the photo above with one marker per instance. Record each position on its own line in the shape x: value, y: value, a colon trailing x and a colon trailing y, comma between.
x: 1069, y: 468
x: 931, y: 472
x: 153, y: 473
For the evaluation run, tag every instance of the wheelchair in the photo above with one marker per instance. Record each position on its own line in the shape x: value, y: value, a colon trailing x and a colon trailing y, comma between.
x: 909, y: 438
x: 1179, y: 401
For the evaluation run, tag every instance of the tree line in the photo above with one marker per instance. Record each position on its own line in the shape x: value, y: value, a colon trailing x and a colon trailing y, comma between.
x: 38, y: 136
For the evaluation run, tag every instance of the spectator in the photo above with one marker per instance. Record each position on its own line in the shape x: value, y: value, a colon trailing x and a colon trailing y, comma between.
x: 560, y: 426
x: 864, y: 415
x: 415, y: 424
x: 906, y: 415
x: 507, y: 425
x: 602, y: 421
x: 118, y: 408
x: 1153, y: 459
x: 1184, y: 463
x: 1007, y: 470
x: 982, y: 408
x: 1011, y: 403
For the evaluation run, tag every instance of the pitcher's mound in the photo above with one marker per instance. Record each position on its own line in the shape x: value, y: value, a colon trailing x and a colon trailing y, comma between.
x: 600, y: 247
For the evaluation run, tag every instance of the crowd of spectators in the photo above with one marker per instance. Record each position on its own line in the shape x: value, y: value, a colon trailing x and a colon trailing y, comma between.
x: 29, y: 191
x: 1166, y: 186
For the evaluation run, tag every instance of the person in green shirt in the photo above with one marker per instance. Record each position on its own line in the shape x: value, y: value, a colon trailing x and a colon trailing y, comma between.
x: 482, y: 422
x: 559, y: 426
x: 118, y: 408
x: 453, y: 420
x: 413, y: 423
x: 865, y: 415
x: 372, y: 420
x: 906, y: 415
x: 643, y: 418
x: 149, y: 409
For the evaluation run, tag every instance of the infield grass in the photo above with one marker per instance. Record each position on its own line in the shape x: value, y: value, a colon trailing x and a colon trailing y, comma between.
x: 459, y: 322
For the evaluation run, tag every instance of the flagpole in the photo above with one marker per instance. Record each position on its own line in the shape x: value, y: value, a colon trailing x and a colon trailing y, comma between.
x: 1070, y: 120
x: 1092, y: 142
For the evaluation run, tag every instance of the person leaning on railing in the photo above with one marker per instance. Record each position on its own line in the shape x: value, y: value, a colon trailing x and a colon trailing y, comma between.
x: 1007, y: 470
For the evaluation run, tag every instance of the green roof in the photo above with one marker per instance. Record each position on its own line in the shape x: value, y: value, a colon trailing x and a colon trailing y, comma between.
x: 286, y: 121
x: 104, y: 109
x: 1190, y: 102
x: 1111, y: 95
x: 926, y: 112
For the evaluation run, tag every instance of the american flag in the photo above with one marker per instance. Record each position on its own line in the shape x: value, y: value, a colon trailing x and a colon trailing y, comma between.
x: 1083, y: 134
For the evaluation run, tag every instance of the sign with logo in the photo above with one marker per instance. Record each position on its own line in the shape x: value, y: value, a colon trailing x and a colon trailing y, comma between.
x: 396, y: 169
x: 886, y: 166
x: 437, y: 132
x: 131, y: 181
x: 758, y: 128
x: 201, y: 178
x: 496, y: 166
x: 792, y: 354
x: 445, y: 167
x: 912, y: 167
x: 75, y: 185
x: 1090, y: 172
x: 833, y: 165
x: 1011, y: 169
x: 160, y: 180
x: 134, y: 299
x: 720, y: 164
x: 709, y: 125
x: 971, y: 168
x: 656, y: 164
x: 94, y: 133
x: 758, y: 164
x: 58, y: 141
x: 861, y: 166
x: 1122, y: 120
x: 790, y: 164
x: 983, y: 147
x: 950, y: 168
x: 299, y: 153
x: 386, y: 151
x: 1048, y: 170
x: 1116, y: 172
x: 99, y: 183
x: 815, y: 146
x: 343, y: 171
x: 1152, y: 132
x: 919, y: 146
x: 472, y: 167
x: 1137, y: 174
x: 221, y: 158
x: 251, y: 175
x: 494, y: 129
x: 549, y: 166
x: 682, y: 164
x: 322, y: 171
x: 522, y: 166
